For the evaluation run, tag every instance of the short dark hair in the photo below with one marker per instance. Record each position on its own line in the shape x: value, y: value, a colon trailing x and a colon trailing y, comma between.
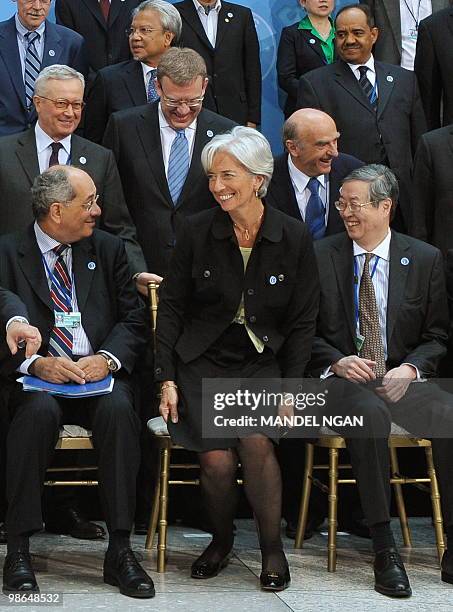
x: 362, y: 7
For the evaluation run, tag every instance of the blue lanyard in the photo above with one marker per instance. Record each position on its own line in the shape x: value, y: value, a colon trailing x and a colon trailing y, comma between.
x: 64, y: 292
x: 356, y: 285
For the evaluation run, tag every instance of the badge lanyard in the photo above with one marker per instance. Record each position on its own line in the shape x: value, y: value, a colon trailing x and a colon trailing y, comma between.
x: 63, y: 290
x: 357, y: 288
x: 415, y: 18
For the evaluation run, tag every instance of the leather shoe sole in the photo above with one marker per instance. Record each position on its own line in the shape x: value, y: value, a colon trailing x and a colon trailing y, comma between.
x: 393, y: 592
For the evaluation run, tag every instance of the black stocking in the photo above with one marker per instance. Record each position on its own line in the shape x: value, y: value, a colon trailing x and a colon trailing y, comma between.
x: 263, y: 487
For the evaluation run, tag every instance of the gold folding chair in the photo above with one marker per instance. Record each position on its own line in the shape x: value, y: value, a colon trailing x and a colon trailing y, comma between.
x: 72, y: 437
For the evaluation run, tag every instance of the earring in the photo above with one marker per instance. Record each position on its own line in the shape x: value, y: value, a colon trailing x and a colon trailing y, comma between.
x: 256, y: 194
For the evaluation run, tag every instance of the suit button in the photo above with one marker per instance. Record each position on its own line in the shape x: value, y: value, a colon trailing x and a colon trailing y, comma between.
x: 158, y: 371
x: 206, y: 273
x: 252, y: 319
x: 250, y: 292
x: 265, y: 339
x: 215, y: 75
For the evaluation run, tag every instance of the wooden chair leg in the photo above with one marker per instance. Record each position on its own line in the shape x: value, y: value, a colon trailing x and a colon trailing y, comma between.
x: 155, y: 508
x: 305, y: 500
x: 163, y: 506
x: 333, y: 505
x: 435, y: 500
x: 399, y: 498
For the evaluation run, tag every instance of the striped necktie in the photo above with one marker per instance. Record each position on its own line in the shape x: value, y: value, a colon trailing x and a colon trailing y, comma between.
x: 178, y: 165
x: 315, y: 212
x: 61, y: 339
x: 151, y: 91
x: 32, y: 67
x: 368, y: 89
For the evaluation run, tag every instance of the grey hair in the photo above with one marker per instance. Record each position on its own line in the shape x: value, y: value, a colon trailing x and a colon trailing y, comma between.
x: 289, y: 131
x: 53, y: 185
x: 382, y: 183
x: 168, y: 15
x: 181, y: 66
x: 59, y: 72
x: 249, y: 147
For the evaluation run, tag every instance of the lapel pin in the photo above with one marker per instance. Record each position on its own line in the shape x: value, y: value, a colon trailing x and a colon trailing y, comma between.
x: 390, y: 78
x: 227, y: 20
x: 83, y: 160
x: 281, y: 277
x: 230, y: 15
x: 51, y: 52
x: 210, y: 133
x: 404, y: 261
x: 272, y: 280
x: 312, y: 41
x: 91, y: 265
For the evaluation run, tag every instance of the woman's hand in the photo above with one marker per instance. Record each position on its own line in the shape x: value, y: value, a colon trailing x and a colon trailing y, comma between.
x: 169, y: 401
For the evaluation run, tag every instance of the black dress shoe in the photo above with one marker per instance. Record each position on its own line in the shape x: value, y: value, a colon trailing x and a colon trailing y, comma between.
x: 447, y: 567
x: 313, y: 524
x: 18, y: 574
x: 2, y: 533
x: 207, y: 569
x: 390, y: 577
x: 69, y: 522
x: 275, y: 581
x: 124, y: 571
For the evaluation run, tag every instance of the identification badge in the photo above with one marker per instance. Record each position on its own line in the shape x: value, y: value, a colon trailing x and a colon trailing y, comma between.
x: 413, y: 33
x: 68, y: 319
x: 359, y: 342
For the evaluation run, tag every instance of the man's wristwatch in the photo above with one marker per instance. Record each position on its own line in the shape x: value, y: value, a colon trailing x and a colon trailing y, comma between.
x: 111, y: 363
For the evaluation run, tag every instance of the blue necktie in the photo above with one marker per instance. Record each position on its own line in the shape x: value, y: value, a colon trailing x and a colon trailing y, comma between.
x: 178, y: 165
x: 315, y: 212
x: 151, y: 91
x: 61, y: 338
x: 368, y: 89
x: 32, y: 68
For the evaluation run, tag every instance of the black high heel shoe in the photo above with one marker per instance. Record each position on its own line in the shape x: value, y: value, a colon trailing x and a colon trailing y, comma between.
x: 208, y: 569
x: 275, y: 581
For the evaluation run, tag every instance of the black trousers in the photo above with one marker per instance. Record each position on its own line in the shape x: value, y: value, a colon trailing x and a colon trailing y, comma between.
x: 424, y: 411
x: 33, y: 433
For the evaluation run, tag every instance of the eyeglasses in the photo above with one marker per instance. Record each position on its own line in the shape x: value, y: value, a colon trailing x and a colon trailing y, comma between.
x: 192, y: 104
x: 353, y: 206
x: 142, y: 31
x: 62, y: 104
x: 88, y: 206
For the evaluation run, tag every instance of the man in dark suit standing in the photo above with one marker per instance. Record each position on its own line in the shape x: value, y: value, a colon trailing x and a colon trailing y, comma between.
x: 156, y: 25
x: 224, y: 34
x: 306, y: 180
x: 433, y: 63
x: 376, y: 106
x: 102, y: 23
x: 76, y: 285
x: 382, y: 324
x: 59, y: 101
x: 29, y: 43
x: 157, y: 149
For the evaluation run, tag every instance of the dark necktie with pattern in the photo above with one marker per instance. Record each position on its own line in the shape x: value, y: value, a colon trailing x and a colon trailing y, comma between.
x: 105, y: 8
x: 315, y: 211
x: 32, y: 67
x: 61, y: 339
x: 151, y: 91
x: 368, y: 89
x: 55, y: 146
x: 372, y: 347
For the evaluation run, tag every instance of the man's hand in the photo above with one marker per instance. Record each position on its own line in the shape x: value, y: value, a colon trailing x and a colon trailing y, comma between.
x: 19, y: 332
x: 94, y: 367
x: 354, y: 368
x: 169, y: 401
x: 396, y: 382
x: 57, y: 370
x: 142, y: 280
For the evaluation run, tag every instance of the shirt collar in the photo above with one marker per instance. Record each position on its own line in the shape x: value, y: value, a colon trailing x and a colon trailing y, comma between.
x: 200, y: 8
x: 147, y: 68
x: 23, y: 30
x: 369, y: 64
x: 382, y: 250
x: 45, y: 242
x: 300, y: 179
x: 43, y: 140
x: 164, y: 123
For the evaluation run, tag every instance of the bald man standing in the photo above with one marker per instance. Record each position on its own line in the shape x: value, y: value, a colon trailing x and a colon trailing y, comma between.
x: 307, y: 178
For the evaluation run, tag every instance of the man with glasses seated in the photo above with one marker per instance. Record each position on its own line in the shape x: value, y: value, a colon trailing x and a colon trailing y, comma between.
x: 29, y: 43
x: 158, y: 148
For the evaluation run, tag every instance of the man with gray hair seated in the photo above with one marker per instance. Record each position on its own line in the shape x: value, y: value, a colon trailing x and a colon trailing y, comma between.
x: 383, y: 326
x: 156, y: 25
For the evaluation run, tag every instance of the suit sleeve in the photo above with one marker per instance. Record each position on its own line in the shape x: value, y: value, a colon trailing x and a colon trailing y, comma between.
x: 429, y: 78
x: 252, y: 70
x: 63, y: 14
x: 423, y: 194
x: 10, y: 306
x: 287, y: 64
x: 418, y: 120
x: 96, y: 114
x: 116, y: 218
x: 306, y: 95
x: 78, y: 58
x: 449, y: 280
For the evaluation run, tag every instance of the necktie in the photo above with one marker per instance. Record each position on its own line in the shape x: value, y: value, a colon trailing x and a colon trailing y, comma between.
x: 178, y: 165
x: 105, y: 8
x: 315, y: 212
x: 207, y: 9
x: 61, y: 339
x: 32, y: 67
x: 151, y: 91
x: 372, y: 347
x: 55, y: 146
x: 368, y: 89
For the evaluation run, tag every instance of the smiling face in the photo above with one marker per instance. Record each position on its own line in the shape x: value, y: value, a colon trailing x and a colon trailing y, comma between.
x: 319, y: 8
x: 32, y: 12
x: 187, y: 96
x: 232, y: 186
x: 59, y: 123
x: 354, y: 38
x: 148, y: 48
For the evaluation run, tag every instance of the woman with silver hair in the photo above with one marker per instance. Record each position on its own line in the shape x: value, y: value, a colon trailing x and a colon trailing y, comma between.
x: 240, y: 301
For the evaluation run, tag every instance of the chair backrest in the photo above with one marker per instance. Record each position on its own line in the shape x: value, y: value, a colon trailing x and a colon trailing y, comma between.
x: 153, y: 302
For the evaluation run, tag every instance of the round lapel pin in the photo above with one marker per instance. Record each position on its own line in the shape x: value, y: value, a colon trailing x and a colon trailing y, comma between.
x: 91, y: 265
x: 404, y: 261
x: 390, y: 79
x: 312, y: 41
x: 51, y: 53
x: 83, y: 160
x: 230, y: 15
x: 227, y: 20
x: 272, y: 280
x: 210, y: 133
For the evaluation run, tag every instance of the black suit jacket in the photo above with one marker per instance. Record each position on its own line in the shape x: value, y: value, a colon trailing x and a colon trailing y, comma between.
x: 281, y: 193
x: 433, y: 62
x: 134, y: 137
x: 200, y: 295
x: 432, y: 219
x: 19, y: 166
x: 234, y: 66
x: 417, y: 311
x: 10, y: 306
x: 115, y: 88
x: 112, y: 315
x: 390, y: 134
x: 296, y: 55
x: 61, y: 46
x: 106, y: 42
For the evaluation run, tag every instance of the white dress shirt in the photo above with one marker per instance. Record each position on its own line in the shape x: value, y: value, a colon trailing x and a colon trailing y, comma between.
x: 23, y: 44
x: 168, y: 134
x: 44, y: 149
x: 371, y: 72
x: 300, y: 181
x: 412, y: 12
x: 209, y: 21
